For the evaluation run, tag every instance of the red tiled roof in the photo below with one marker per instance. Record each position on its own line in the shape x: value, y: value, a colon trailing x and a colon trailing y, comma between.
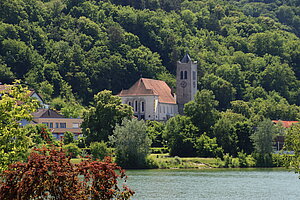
x: 285, y: 124
x: 145, y: 86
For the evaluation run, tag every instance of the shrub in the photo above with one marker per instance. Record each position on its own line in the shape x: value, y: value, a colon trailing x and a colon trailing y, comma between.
x: 242, y: 159
x: 49, y: 174
x: 227, y: 160
x: 235, y: 162
x: 251, y: 162
x: 278, y: 160
x: 99, y: 150
x: 72, y: 150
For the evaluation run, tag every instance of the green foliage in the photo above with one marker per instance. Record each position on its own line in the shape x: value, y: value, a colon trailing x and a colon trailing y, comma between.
x: 208, y: 147
x: 103, y: 116
x: 72, y: 150
x: 242, y: 160
x: 180, y: 134
x: 76, y: 49
x: 232, y: 131
x: 15, y: 105
x: 292, y: 143
x: 68, y: 137
x: 39, y: 134
x: 99, y: 150
x: 154, y: 130
x: 68, y: 108
x: 131, y: 143
x: 202, y: 110
x: 263, y: 137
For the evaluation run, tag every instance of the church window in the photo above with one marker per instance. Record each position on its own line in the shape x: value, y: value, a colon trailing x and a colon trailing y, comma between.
x: 135, y: 106
x: 142, y: 106
x: 181, y: 75
x: 185, y: 74
x: 194, y: 75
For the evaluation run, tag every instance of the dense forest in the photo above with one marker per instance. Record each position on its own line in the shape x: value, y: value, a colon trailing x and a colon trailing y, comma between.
x: 248, y: 51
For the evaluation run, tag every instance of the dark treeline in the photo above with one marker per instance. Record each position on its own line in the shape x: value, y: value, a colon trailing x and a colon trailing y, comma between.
x: 248, y: 52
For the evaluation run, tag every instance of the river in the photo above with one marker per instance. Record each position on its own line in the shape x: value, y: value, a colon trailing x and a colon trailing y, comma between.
x: 214, y: 184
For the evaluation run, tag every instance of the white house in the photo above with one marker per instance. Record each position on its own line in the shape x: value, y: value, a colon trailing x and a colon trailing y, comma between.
x: 151, y: 99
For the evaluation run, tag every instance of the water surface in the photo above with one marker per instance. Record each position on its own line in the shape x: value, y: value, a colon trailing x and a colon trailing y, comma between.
x: 214, y: 184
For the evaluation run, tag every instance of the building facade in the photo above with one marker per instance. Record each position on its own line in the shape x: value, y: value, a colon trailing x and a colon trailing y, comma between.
x: 151, y: 100
x: 57, y: 123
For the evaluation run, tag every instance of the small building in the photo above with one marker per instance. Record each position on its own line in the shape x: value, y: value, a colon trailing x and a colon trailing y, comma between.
x: 32, y: 94
x: 57, y: 123
x: 151, y: 99
x: 279, y: 139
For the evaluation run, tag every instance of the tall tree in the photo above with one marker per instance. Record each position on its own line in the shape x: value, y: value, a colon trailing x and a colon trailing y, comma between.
x: 292, y: 143
x: 15, y: 105
x: 132, y: 143
x: 101, y: 118
x: 180, y: 134
x: 263, y: 141
x: 202, y: 110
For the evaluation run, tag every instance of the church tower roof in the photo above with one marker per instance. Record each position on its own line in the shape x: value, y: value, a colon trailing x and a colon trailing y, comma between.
x: 186, y: 58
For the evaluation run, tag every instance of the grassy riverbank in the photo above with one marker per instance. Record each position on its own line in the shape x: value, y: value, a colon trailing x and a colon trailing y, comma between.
x: 163, y: 161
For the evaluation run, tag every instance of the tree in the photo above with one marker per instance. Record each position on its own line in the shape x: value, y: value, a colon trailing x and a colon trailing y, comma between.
x: 202, y: 110
x: 39, y: 134
x: 72, y: 150
x: 154, y: 131
x: 100, y: 119
x: 132, y: 143
x: 263, y: 141
x: 99, y: 150
x: 179, y: 135
x: 15, y: 105
x: 49, y: 174
x: 225, y: 131
x: 68, y: 137
x: 208, y: 147
x: 292, y: 143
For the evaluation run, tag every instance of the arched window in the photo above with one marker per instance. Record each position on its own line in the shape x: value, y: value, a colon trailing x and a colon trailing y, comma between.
x: 135, y: 106
x: 185, y: 74
x: 142, y: 106
x: 181, y: 75
x: 129, y: 103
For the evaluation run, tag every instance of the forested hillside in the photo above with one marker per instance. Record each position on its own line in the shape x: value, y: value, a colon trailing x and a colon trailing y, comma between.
x: 247, y: 50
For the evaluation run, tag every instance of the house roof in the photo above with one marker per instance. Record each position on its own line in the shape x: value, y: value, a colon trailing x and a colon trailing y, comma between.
x: 285, y: 124
x: 30, y: 94
x: 47, y: 113
x: 145, y: 86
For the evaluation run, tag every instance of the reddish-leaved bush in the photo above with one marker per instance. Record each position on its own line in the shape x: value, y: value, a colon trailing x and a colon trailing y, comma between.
x: 49, y: 174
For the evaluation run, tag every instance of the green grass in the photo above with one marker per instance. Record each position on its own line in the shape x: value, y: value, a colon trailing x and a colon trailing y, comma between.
x: 165, y: 162
x: 76, y: 160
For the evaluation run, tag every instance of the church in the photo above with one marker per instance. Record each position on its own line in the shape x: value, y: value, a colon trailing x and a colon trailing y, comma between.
x: 153, y: 99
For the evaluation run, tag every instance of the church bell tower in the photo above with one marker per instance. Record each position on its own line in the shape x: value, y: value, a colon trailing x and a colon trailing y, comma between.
x: 186, y: 81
